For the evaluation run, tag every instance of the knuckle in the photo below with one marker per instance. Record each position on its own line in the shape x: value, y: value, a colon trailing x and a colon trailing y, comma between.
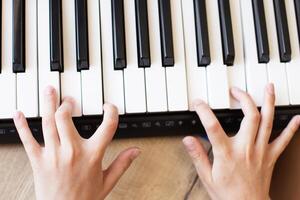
x: 48, y: 121
x: 224, y: 153
x: 33, y: 152
x: 61, y: 114
x: 272, y: 99
x: 213, y: 127
x: 71, y: 155
x: 53, y: 159
x: 111, y: 123
x: 249, y: 154
x: 196, y: 155
x: 255, y: 117
x: 268, y: 126
x: 95, y: 159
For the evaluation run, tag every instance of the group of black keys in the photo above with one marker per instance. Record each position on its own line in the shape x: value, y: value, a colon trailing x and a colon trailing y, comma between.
x: 165, y: 18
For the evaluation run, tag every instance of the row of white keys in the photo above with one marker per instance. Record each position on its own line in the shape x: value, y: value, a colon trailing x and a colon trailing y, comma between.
x: 134, y: 77
x: 236, y: 73
x: 176, y: 75
x: 91, y: 80
x: 155, y: 76
x: 276, y: 69
x: 70, y: 78
x: 256, y: 73
x: 112, y: 79
x: 217, y: 79
x: 7, y: 78
x: 196, y: 76
x: 46, y: 77
x: 27, y: 83
x: 293, y: 67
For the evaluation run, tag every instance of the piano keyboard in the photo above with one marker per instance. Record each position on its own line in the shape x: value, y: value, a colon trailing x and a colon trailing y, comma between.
x: 151, y: 58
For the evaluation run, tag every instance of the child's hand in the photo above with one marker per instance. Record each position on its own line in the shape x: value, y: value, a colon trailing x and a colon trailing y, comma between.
x: 243, y: 165
x: 69, y: 167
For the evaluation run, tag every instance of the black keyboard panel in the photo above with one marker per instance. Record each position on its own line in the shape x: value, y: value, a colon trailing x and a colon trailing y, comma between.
x: 150, y: 125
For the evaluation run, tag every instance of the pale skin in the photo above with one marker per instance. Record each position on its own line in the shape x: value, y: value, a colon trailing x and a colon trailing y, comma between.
x: 68, y: 166
x: 243, y: 165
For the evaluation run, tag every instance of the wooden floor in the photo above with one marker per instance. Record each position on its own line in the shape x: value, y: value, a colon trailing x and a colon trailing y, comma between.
x: 162, y: 172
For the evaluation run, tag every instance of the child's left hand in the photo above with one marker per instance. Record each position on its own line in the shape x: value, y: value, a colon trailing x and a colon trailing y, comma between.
x: 69, y: 167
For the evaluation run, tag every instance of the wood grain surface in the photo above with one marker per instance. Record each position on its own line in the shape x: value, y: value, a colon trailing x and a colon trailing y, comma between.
x: 162, y: 172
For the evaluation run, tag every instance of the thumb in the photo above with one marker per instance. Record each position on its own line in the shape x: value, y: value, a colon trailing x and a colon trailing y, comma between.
x: 118, y: 167
x: 199, y: 157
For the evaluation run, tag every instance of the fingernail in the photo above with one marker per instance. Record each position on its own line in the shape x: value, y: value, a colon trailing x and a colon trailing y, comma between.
x: 270, y: 89
x: 17, y: 115
x: 135, y: 153
x: 49, y: 90
x: 197, y: 103
x: 189, y: 143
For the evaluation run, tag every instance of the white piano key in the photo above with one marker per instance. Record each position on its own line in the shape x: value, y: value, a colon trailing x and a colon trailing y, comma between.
x: 112, y: 79
x: 256, y: 73
x: 46, y: 77
x: 276, y: 69
x: 92, y: 94
x: 293, y: 67
x: 176, y: 75
x: 134, y: 77
x: 236, y: 73
x: 70, y: 78
x: 217, y: 80
x: 155, y: 76
x: 27, y: 83
x: 196, y: 76
x: 7, y: 78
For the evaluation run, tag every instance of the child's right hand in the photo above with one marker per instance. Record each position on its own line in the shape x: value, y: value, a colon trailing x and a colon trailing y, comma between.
x: 243, y: 165
x: 70, y: 167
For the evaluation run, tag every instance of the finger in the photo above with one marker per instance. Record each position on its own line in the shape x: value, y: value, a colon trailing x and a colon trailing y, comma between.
x: 31, y: 146
x: 107, y: 129
x: 213, y: 128
x: 118, y: 167
x: 250, y: 123
x: 63, y: 118
x: 48, y: 121
x: 267, y: 117
x: 199, y: 157
x: 281, y: 142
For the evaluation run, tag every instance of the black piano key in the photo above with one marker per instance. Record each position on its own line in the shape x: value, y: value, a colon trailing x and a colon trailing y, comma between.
x: 118, y: 27
x: 203, y: 50
x: 18, y: 36
x: 297, y: 10
x: 142, y: 27
x: 226, y: 32
x: 166, y: 35
x: 262, y: 42
x: 56, y: 42
x: 284, y: 43
x: 82, y: 49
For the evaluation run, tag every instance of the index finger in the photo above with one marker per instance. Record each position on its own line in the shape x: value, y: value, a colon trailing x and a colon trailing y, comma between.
x: 250, y: 123
x: 31, y: 146
x: 104, y: 134
x: 213, y: 128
